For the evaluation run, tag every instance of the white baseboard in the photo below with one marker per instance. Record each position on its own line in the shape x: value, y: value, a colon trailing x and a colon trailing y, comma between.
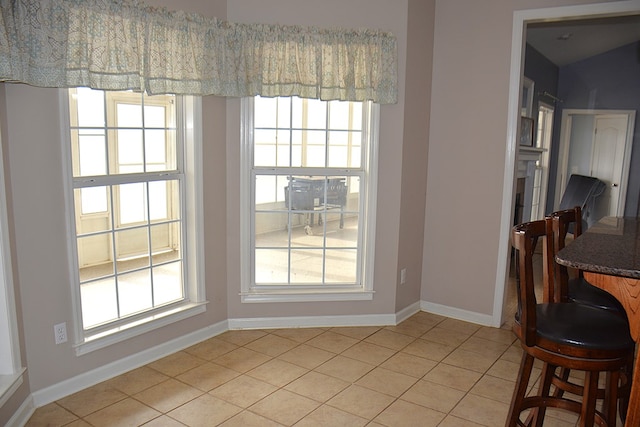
x: 456, y: 313
x: 103, y: 373
x: 313, y: 321
x: 407, y: 312
x: 22, y: 415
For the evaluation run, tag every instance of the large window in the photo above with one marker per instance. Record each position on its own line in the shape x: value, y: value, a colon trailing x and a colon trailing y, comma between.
x: 129, y: 155
x: 309, y: 170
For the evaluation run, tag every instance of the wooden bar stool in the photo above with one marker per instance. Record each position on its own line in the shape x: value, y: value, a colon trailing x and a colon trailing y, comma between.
x: 577, y: 289
x: 563, y: 335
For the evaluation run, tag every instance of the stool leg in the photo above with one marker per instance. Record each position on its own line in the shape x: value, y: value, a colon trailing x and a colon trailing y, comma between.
x: 546, y: 377
x: 609, y: 407
x: 520, y: 390
x: 587, y: 414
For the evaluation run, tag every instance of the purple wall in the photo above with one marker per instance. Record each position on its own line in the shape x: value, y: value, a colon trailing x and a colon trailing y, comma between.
x: 607, y: 81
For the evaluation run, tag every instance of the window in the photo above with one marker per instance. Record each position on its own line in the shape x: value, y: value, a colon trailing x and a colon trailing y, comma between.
x: 309, y: 194
x: 543, y: 140
x: 134, y: 210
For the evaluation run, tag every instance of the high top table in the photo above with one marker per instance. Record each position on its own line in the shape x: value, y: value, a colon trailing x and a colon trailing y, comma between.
x: 609, y: 255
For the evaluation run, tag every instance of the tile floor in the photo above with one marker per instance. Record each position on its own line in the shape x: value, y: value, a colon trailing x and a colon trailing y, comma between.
x: 427, y: 371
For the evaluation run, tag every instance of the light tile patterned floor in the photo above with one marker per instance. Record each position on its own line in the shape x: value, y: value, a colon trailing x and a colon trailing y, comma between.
x: 427, y: 371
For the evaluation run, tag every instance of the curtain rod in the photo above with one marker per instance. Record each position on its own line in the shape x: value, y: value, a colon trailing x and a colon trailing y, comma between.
x: 550, y: 95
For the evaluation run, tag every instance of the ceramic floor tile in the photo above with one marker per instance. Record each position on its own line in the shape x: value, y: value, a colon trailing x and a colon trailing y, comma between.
x: 470, y: 360
x: 484, y: 346
x: 277, y: 372
x: 163, y: 421
x: 390, y: 339
x: 249, y: 419
x: 77, y: 423
x: 298, y: 335
x: 327, y: 416
x: 168, y: 395
x: 128, y: 412
x: 137, y: 380
x: 453, y: 376
x: 387, y: 382
x: 204, y: 411
x: 357, y: 332
x: 401, y: 413
x: 242, y: 359
x: 494, y: 388
x: 409, y: 364
x: 427, y: 318
x: 445, y: 336
x: 451, y: 421
x: 176, y: 363
x: 306, y: 356
x: 435, y: 396
x: 317, y: 386
x: 208, y: 376
x: 481, y: 410
x: 243, y: 391
x: 361, y: 401
x: 271, y: 345
x: 502, y: 336
x: 509, y: 370
x: 459, y: 326
x: 410, y: 327
x: 51, y: 414
x: 513, y: 354
x: 211, y: 348
x: 368, y: 353
x: 91, y: 399
x: 344, y: 368
x: 284, y: 407
x: 428, y: 349
x: 333, y: 342
x: 241, y: 338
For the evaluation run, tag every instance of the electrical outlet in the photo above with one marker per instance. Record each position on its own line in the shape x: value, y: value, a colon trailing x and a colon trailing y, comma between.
x: 403, y: 276
x: 60, y: 332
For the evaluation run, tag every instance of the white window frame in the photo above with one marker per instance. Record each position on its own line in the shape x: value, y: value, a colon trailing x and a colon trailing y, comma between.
x: 188, y: 124
x: 11, y: 370
x: 250, y: 293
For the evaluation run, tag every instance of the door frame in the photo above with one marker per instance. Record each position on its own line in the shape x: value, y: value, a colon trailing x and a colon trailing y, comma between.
x: 518, y: 40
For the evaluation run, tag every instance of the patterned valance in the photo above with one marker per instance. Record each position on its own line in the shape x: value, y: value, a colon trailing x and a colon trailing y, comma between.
x: 125, y: 44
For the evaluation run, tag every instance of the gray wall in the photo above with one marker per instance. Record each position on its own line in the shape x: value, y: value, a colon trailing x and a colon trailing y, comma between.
x: 607, y: 81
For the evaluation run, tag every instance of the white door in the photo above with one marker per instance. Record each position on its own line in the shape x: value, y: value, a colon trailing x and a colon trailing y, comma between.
x: 606, y: 161
x: 597, y: 143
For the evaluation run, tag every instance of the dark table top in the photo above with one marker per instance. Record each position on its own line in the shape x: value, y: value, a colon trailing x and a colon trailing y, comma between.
x: 611, y: 246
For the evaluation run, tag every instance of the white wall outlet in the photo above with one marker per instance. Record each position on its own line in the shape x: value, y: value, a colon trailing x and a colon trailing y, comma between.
x: 403, y: 276
x: 60, y: 332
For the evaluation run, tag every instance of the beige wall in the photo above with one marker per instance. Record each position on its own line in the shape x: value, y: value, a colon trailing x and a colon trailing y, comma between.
x: 415, y: 146
x: 467, y: 152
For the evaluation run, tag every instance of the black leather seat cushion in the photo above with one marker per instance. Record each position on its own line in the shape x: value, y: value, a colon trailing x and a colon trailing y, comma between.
x: 583, y: 292
x: 583, y: 326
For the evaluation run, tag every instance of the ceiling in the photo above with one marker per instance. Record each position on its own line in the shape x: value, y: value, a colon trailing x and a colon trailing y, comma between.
x: 565, y: 42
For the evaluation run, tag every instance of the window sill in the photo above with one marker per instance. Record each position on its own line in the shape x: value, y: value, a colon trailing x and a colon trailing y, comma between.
x: 305, y: 296
x: 151, y: 323
x: 9, y: 384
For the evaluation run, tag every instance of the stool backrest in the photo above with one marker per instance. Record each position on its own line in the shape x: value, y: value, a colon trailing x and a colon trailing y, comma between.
x: 562, y: 222
x: 525, y: 237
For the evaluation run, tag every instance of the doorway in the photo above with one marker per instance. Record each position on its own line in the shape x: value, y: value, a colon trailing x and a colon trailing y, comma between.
x: 521, y: 18
x: 597, y: 143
